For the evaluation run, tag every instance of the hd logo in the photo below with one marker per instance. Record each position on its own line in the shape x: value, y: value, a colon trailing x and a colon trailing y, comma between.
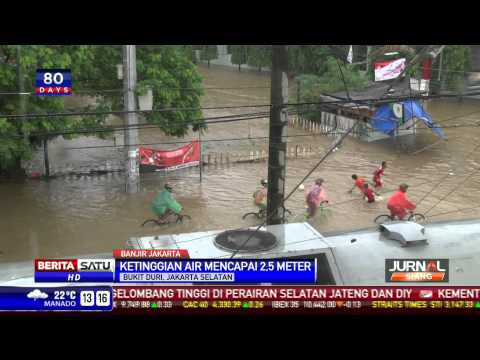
x: 416, y: 270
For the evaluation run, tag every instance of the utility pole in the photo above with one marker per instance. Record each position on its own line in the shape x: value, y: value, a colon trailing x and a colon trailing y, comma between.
x: 21, y: 85
x: 278, y: 131
x: 129, y: 104
x: 22, y: 97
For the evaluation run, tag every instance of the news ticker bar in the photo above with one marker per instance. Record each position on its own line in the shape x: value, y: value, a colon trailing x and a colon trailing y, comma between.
x: 310, y: 306
x: 56, y: 299
x: 156, y: 298
x: 252, y: 271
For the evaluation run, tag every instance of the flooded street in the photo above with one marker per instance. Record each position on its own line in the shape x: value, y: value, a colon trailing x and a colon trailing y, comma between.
x: 75, y: 215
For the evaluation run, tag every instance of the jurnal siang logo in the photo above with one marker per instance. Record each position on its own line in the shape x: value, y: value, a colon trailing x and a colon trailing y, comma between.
x: 416, y: 270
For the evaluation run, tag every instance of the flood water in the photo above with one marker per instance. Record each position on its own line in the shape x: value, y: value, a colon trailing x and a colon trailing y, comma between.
x: 77, y: 215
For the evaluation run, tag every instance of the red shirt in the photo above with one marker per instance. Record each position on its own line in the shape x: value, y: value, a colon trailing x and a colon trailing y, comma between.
x: 399, y: 199
x: 378, y: 173
x: 359, y: 183
x: 369, y: 194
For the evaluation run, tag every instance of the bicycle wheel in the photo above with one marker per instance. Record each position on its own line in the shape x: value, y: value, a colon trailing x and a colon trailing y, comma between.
x: 151, y: 222
x: 181, y: 218
x: 418, y: 218
x: 251, y: 214
x: 381, y: 219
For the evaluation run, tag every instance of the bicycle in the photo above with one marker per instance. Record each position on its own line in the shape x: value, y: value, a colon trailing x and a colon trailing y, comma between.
x: 415, y: 217
x: 165, y: 221
x: 322, y: 211
x: 262, y: 214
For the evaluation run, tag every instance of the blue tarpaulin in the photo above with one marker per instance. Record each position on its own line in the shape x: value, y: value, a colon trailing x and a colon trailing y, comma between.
x: 384, y: 119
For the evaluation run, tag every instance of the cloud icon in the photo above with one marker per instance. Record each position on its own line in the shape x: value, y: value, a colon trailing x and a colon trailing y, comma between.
x: 37, y: 294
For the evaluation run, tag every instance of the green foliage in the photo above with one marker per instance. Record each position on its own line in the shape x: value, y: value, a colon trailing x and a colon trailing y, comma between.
x: 259, y: 56
x: 308, y: 59
x: 208, y: 52
x: 330, y: 81
x: 11, y: 148
x: 239, y: 54
x: 455, y: 63
x: 169, y: 70
x: 189, y: 52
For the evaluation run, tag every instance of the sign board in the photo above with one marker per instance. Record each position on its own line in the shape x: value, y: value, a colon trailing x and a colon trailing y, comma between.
x: 387, y: 70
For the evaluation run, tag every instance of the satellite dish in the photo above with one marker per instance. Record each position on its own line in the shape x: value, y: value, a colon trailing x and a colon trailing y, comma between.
x: 398, y: 110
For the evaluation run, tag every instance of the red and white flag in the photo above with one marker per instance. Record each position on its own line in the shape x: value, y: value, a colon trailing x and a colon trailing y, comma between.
x: 387, y: 70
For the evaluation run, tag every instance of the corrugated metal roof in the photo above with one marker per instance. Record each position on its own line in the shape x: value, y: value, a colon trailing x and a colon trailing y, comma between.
x: 363, y: 262
x: 355, y: 258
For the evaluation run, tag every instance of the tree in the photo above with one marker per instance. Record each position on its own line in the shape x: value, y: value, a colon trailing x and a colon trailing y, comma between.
x: 208, y: 52
x: 259, y: 56
x: 313, y: 86
x: 308, y: 59
x: 239, y: 55
x: 456, y: 62
x: 167, y: 69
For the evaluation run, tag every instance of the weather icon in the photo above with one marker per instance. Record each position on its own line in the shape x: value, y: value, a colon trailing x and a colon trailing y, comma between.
x: 37, y: 294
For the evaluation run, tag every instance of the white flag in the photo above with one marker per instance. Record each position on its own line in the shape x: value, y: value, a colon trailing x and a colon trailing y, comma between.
x: 350, y: 55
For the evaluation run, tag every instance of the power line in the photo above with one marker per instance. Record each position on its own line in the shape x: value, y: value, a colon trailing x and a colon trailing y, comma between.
x: 453, y: 190
x: 443, y: 178
x: 335, y: 145
x: 228, y: 118
x: 214, y: 120
x: 100, y: 91
x: 121, y: 112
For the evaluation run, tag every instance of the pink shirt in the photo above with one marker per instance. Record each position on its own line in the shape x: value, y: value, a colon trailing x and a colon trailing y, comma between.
x: 316, y: 195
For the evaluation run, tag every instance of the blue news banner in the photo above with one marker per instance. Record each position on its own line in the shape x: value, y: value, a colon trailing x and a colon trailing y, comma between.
x: 227, y: 271
x: 56, y: 298
x: 238, y: 271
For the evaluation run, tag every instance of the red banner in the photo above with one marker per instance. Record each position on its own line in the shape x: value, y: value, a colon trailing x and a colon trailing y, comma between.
x: 188, y: 155
x: 297, y: 293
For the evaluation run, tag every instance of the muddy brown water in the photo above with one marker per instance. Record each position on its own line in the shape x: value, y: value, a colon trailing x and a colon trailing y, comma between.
x: 78, y: 215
